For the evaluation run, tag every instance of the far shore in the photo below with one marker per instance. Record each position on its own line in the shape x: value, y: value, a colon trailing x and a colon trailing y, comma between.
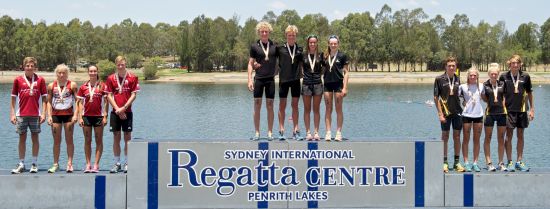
x: 242, y: 77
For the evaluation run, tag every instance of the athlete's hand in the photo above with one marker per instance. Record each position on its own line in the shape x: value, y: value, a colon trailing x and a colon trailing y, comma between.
x: 442, y: 118
x: 81, y: 122
x: 531, y: 115
x: 42, y: 119
x: 256, y: 65
x: 50, y: 121
x: 120, y: 110
x: 74, y: 119
x: 250, y: 86
x: 104, y: 121
x: 13, y: 119
x: 122, y: 116
x: 344, y: 92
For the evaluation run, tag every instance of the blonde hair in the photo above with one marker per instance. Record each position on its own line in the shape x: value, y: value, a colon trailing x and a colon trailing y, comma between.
x: 263, y: 25
x: 30, y: 59
x: 493, y: 67
x: 473, y: 70
x: 514, y: 58
x: 62, y: 67
x: 291, y: 28
x: 120, y: 58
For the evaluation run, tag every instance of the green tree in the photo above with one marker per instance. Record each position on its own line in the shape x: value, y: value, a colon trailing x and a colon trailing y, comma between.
x: 106, y: 68
x: 545, y: 42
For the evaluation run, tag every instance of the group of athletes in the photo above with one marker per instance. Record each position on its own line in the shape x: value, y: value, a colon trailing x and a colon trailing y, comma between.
x: 323, y: 73
x: 64, y: 103
x: 509, y: 104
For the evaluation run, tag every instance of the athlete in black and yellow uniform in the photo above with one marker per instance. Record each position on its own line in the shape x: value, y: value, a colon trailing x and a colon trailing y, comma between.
x: 494, y: 113
x: 263, y: 60
x: 290, y: 57
x: 449, y: 110
x: 518, y: 92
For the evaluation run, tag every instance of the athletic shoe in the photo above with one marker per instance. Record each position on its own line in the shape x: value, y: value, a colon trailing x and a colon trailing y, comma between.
x: 297, y: 136
x: 316, y: 136
x: 125, y: 167
x: 34, y: 168
x: 458, y: 167
x: 256, y: 137
x: 491, y: 167
x: 270, y: 136
x: 88, y: 169
x: 54, y: 168
x: 20, y: 168
x: 69, y: 168
x: 520, y: 166
x: 281, y: 136
x: 502, y: 167
x: 476, y: 168
x: 511, y: 167
x: 116, y: 168
x: 95, y: 169
x: 467, y: 167
x: 309, y: 137
x: 338, y: 136
x: 328, y: 136
x: 446, y: 167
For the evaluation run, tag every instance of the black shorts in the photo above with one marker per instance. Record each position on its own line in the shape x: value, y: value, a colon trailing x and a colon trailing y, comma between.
x: 61, y: 118
x: 454, y: 120
x: 294, y: 87
x: 95, y: 121
x: 334, y: 87
x: 117, y: 124
x: 491, y: 119
x: 471, y: 120
x: 264, y: 84
x: 517, y: 120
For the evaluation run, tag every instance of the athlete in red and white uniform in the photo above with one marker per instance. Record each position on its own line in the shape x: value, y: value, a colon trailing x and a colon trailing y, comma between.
x: 92, y: 106
x: 122, y: 88
x: 61, y: 96
x: 29, y: 90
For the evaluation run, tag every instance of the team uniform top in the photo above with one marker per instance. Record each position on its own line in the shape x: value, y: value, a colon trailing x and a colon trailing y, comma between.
x: 289, y: 70
x: 516, y: 102
x: 472, y: 97
x: 494, y: 108
x: 94, y: 106
x: 336, y: 73
x: 27, y: 104
x: 62, y: 104
x: 450, y: 104
x: 312, y: 76
x: 267, y: 69
x: 129, y: 86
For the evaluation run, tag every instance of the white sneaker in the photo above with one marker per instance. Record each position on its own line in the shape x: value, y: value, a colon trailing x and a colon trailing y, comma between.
x: 34, y: 168
x: 19, y: 169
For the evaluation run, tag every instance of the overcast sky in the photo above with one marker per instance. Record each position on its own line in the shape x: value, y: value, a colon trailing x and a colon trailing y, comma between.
x: 101, y: 12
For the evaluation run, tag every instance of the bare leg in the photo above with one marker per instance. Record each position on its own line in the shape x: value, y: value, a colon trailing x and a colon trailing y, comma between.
x: 466, y: 141
x: 295, y: 113
x: 23, y: 145
x: 56, y: 132
x: 257, y: 107
x: 282, y: 114
x: 316, y: 112
x: 87, y: 144
x: 445, y: 139
x: 116, y: 144
x: 307, y: 112
x: 328, y: 111
x: 270, y: 115
x: 456, y: 140
x: 500, y: 136
x: 477, y: 136
x: 98, y: 144
x: 339, y: 113
x: 509, y: 136
x: 519, y: 147
x: 487, y: 144
x: 35, y: 145
x: 69, y: 129
x: 127, y: 138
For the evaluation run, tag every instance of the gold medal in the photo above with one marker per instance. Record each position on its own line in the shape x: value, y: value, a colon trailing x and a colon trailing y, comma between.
x: 516, y: 82
x: 266, y: 50
x: 516, y: 89
x: 495, y: 92
x: 30, y: 84
x: 451, y: 84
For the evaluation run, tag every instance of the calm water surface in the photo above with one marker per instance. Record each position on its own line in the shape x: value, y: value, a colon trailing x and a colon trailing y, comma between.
x: 180, y: 112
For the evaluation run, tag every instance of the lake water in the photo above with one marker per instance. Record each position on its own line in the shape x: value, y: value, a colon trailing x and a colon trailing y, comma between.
x: 180, y: 112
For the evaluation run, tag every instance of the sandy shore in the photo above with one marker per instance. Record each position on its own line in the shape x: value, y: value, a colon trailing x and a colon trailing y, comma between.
x: 241, y: 77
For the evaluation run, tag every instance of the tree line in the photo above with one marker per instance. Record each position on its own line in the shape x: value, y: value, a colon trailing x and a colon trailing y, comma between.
x: 402, y: 40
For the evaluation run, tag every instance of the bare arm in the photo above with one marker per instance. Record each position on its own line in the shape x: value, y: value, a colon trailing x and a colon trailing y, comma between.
x: 105, y: 111
x: 250, y: 78
x: 13, y: 119
x: 346, y: 77
x: 48, y: 104
x: 531, y: 113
